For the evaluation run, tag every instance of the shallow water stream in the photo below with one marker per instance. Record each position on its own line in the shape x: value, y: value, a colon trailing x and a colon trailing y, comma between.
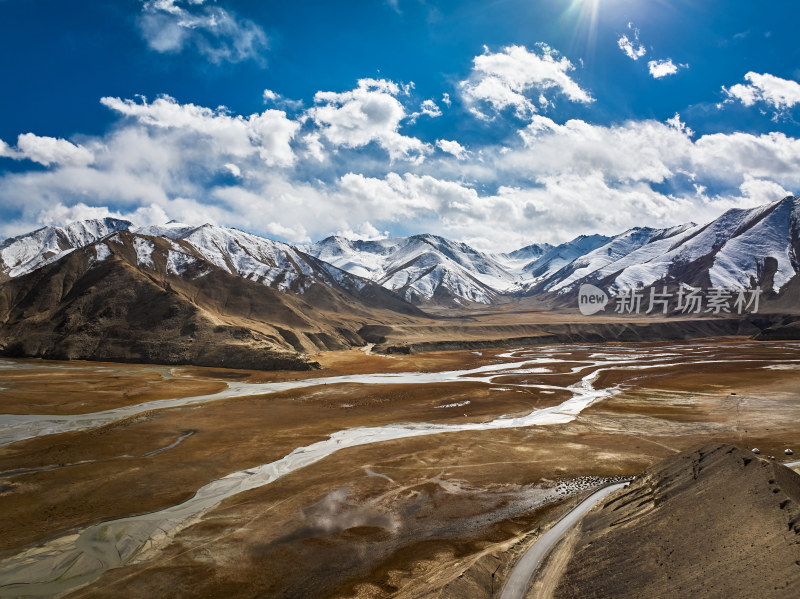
x: 72, y: 560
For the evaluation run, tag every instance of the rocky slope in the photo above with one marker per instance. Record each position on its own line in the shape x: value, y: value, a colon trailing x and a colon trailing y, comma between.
x: 132, y: 297
x: 714, y: 522
x: 25, y: 253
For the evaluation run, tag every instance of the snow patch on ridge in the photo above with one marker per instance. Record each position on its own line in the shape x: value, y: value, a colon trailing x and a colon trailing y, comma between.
x: 102, y: 252
x: 144, y: 252
x: 178, y: 261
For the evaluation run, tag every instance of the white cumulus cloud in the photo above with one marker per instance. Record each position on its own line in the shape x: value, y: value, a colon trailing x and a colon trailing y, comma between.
x: 61, y: 214
x: 268, y: 134
x: 632, y: 151
x: 369, y: 113
x: 5, y: 150
x: 452, y: 147
x: 779, y: 93
x: 430, y: 108
x: 664, y: 68
x: 761, y: 191
x: 47, y: 151
x: 632, y: 49
x: 366, y: 232
x: 505, y: 79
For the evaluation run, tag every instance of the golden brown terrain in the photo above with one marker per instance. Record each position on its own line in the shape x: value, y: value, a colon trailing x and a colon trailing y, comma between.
x: 713, y: 522
x: 418, y: 516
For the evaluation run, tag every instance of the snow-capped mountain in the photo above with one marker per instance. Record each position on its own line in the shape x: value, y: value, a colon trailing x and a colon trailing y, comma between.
x: 144, y: 298
x: 610, y: 256
x: 741, y: 248
x: 271, y: 263
x: 421, y: 267
x: 771, y: 231
x: 265, y: 261
x: 560, y: 256
x: 177, y: 250
x: 25, y: 253
x: 517, y: 260
x: 362, y: 258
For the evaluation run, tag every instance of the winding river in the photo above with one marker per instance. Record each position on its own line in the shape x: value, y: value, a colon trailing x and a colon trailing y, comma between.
x: 73, y: 560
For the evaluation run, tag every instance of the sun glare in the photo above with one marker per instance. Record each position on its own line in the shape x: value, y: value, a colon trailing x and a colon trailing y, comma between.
x: 582, y: 15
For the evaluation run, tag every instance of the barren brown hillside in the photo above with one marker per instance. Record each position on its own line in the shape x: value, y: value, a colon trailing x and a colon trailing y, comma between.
x: 717, y: 521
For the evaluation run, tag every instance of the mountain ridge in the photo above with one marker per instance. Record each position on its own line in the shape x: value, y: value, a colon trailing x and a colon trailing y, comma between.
x: 25, y: 253
x: 225, y: 296
x: 122, y: 299
x: 735, y: 250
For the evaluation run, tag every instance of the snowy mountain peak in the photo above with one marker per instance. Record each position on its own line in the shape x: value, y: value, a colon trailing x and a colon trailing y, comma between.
x: 612, y: 256
x: 741, y: 248
x: 528, y: 253
x: 559, y: 256
x: 420, y: 267
x: 25, y: 253
x: 335, y: 246
x: 173, y: 229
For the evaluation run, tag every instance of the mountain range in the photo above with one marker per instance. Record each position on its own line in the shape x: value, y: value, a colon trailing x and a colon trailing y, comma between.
x: 740, y: 249
x: 178, y: 293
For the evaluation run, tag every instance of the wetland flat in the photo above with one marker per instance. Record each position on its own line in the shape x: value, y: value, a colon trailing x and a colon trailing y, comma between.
x: 377, y: 476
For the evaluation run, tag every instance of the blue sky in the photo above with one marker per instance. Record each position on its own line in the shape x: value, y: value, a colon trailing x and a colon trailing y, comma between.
x: 496, y: 123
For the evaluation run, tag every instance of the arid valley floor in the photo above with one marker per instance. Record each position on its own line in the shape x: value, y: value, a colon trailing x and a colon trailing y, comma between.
x: 422, y: 475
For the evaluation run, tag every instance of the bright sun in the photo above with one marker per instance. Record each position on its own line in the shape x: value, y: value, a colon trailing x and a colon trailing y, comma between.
x: 583, y: 14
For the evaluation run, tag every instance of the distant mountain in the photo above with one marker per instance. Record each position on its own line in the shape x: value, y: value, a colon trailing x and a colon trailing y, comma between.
x: 427, y: 269
x: 740, y: 249
x: 515, y: 261
x: 133, y: 297
x: 271, y: 263
x: 421, y: 268
x: 24, y: 254
x: 556, y: 258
